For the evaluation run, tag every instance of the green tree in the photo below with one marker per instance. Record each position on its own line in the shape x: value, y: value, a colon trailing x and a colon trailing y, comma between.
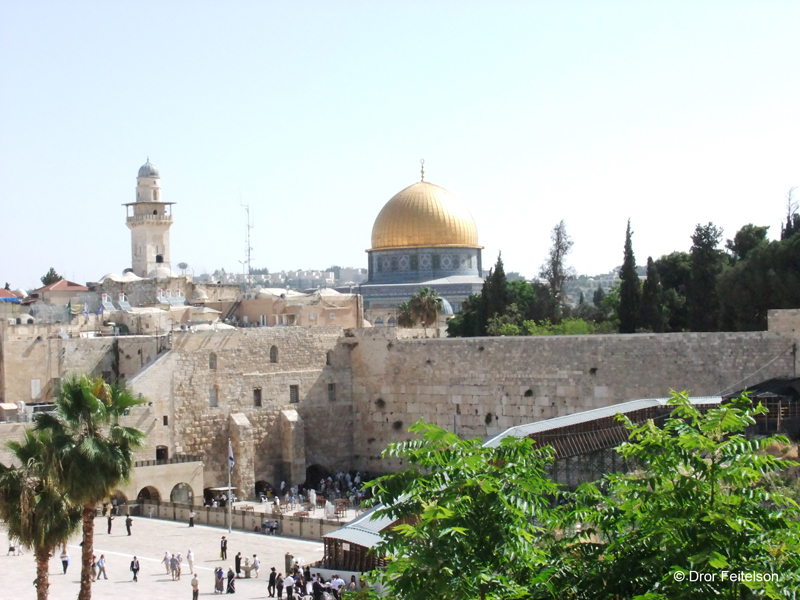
x: 554, y: 270
x: 630, y: 289
x: 468, y: 320
x: 507, y: 324
x: 597, y: 297
x: 425, y: 306
x: 35, y: 511
x: 94, y: 452
x: 494, y: 294
x: 405, y: 317
x: 652, y: 309
x: 747, y: 238
x: 675, y: 271
x: 701, y: 294
x: 51, y: 277
x: 695, y: 502
x: 792, y: 225
x: 463, y: 515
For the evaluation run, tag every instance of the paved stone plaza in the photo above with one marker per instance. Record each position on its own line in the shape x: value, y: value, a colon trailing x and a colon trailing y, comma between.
x: 150, y: 540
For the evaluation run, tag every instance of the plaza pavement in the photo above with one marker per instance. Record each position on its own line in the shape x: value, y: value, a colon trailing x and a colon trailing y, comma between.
x: 149, y: 540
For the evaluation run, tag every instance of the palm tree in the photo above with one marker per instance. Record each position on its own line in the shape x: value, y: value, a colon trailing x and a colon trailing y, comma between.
x: 425, y: 306
x: 94, y: 451
x: 404, y: 316
x: 35, y: 511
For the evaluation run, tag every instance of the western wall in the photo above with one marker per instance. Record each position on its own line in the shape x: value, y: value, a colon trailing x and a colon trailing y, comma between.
x: 291, y: 398
x: 383, y: 382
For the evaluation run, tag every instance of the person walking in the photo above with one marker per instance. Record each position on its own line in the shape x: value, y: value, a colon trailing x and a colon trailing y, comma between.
x: 256, y: 564
x: 94, y: 568
x: 173, y: 567
x: 271, y: 582
x: 101, y: 567
x: 191, y: 519
x: 128, y: 523
x: 231, y: 582
x: 135, y: 568
x: 190, y: 560
x: 110, y: 518
x: 64, y: 560
x: 237, y: 562
x: 180, y: 565
x: 279, y: 585
x: 219, y: 578
x: 195, y: 588
x: 223, y: 548
x: 165, y: 560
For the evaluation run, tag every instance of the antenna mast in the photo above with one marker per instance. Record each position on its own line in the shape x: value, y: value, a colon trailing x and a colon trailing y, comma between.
x: 247, y: 241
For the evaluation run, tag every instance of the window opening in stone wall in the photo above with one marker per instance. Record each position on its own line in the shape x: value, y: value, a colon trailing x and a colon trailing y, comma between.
x: 166, y: 420
x: 332, y: 316
x: 273, y: 354
x: 328, y: 357
x: 257, y: 397
x: 212, y: 361
x: 159, y: 259
x: 294, y: 394
x: 212, y: 397
x: 332, y: 392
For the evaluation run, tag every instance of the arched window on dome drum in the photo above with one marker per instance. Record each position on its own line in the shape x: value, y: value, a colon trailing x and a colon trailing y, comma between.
x: 212, y: 361
x: 273, y: 354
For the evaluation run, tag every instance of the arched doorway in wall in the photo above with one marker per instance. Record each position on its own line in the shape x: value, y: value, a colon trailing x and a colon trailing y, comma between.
x: 148, y: 494
x: 118, y: 501
x: 182, y: 493
x: 264, y: 488
x: 313, y: 475
x: 162, y: 453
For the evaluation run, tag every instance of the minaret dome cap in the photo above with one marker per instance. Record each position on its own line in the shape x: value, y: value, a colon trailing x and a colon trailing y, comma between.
x: 148, y: 170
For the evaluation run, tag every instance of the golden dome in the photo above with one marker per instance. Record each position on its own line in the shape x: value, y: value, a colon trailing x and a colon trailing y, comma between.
x: 424, y: 215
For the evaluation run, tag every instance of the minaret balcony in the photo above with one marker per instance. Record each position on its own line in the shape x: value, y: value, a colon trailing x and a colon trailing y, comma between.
x: 140, y: 219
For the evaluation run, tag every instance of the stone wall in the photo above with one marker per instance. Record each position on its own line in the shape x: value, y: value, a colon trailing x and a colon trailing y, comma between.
x: 227, y: 367
x: 26, y: 360
x: 481, y: 386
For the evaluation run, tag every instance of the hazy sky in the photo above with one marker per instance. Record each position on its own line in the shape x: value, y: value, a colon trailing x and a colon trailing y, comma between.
x: 316, y: 113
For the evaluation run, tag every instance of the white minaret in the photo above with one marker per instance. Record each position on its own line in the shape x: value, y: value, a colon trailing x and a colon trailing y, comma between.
x: 149, y: 219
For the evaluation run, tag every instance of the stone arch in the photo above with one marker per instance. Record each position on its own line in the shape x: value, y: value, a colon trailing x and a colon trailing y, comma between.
x: 314, y: 473
x: 212, y: 361
x: 273, y: 354
x: 148, y: 493
x: 378, y: 321
x: 391, y: 322
x: 262, y: 487
x: 182, y: 493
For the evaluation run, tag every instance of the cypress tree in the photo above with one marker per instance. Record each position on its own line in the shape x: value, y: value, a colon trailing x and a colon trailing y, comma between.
x: 652, y: 310
x: 630, y: 289
x: 597, y: 297
x: 707, y: 262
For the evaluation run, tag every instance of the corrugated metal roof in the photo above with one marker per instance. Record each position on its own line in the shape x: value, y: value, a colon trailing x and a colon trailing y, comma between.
x: 364, y: 530
x: 590, y: 415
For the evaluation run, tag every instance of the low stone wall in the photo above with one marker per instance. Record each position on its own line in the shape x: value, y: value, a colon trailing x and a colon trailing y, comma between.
x: 307, y: 528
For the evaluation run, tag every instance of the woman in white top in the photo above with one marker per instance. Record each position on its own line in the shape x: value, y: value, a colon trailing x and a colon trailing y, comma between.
x: 190, y: 560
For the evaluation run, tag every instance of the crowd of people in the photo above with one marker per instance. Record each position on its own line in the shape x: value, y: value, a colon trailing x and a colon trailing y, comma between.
x: 300, y: 583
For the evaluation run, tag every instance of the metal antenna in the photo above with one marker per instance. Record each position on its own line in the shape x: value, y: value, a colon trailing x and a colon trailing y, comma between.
x: 422, y: 168
x: 247, y: 239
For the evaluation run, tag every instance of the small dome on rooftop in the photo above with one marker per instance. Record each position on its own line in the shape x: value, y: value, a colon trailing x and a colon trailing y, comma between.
x: 148, y: 170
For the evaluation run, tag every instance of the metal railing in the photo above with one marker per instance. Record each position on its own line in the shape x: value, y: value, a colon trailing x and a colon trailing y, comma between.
x: 167, y: 461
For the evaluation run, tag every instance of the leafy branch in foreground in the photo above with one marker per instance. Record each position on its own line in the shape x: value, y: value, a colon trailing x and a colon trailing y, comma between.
x: 464, y: 516
x: 697, y: 503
